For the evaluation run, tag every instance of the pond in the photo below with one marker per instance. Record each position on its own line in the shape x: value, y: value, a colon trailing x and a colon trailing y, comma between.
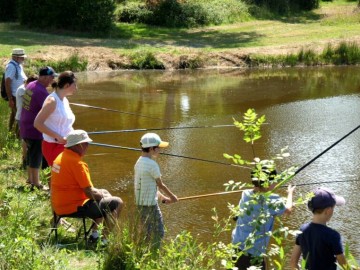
x: 306, y: 109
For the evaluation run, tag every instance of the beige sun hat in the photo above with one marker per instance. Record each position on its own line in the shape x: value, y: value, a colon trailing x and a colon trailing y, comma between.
x: 77, y: 136
x: 18, y: 52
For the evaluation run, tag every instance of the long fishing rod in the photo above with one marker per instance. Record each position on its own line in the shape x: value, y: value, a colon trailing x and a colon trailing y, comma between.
x: 113, y: 110
x: 327, y: 149
x: 241, y: 190
x: 152, y: 129
x: 167, y: 154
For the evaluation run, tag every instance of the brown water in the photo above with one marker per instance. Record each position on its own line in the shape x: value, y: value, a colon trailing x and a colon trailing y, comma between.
x: 306, y: 110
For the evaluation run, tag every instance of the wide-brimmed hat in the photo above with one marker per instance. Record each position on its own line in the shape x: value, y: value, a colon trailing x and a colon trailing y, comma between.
x: 18, y: 52
x: 77, y: 136
x: 324, y: 198
x: 151, y: 140
x: 47, y: 71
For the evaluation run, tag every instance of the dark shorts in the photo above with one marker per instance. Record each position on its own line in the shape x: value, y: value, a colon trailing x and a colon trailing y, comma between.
x: 98, y: 209
x: 34, y: 154
x: 245, y: 261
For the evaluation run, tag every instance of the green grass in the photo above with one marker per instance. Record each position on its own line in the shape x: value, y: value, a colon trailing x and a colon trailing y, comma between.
x: 334, y: 20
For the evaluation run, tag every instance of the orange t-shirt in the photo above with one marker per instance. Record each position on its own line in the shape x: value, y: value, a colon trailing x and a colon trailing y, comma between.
x: 69, y: 176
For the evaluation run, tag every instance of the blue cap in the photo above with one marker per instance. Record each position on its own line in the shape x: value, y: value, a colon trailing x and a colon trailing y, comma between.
x: 324, y: 198
x: 47, y: 71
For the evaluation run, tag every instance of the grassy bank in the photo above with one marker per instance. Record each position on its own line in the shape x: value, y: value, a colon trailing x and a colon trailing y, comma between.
x: 25, y: 218
x: 218, y: 46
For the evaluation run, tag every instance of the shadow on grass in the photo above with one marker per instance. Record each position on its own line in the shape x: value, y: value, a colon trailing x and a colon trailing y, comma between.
x: 130, y: 37
x: 300, y: 17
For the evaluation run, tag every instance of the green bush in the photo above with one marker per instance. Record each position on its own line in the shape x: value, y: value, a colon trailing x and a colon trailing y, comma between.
x: 191, y: 13
x: 8, y: 10
x: 93, y: 16
x: 145, y: 60
x: 133, y: 12
x: 285, y: 6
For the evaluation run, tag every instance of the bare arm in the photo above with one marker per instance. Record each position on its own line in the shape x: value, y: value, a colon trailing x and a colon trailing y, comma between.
x: 96, y: 194
x: 342, y: 261
x: 289, y: 200
x: 295, y: 256
x: 162, y: 187
x: 39, y: 123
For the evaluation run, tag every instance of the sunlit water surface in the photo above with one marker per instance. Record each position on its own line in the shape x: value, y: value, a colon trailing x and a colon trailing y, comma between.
x: 306, y: 109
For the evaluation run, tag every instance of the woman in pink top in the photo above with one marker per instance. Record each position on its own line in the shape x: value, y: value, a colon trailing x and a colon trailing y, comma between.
x: 55, y: 120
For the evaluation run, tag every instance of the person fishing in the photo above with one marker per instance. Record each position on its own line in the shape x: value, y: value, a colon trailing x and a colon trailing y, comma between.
x: 250, y: 239
x: 55, y: 119
x: 148, y: 188
x: 320, y: 245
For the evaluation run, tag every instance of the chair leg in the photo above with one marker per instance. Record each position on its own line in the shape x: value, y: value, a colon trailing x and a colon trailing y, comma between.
x: 56, y: 220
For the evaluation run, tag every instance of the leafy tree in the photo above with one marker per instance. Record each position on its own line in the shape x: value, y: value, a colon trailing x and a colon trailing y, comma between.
x: 93, y: 16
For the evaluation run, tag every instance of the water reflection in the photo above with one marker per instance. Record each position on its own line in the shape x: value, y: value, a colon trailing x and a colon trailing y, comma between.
x: 306, y: 109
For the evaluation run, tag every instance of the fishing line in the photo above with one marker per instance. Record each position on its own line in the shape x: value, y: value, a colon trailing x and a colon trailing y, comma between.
x: 152, y: 129
x: 291, y: 176
x: 113, y: 110
x: 167, y: 154
x: 241, y: 190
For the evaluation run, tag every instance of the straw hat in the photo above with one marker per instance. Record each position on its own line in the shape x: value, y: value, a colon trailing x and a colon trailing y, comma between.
x: 18, y: 52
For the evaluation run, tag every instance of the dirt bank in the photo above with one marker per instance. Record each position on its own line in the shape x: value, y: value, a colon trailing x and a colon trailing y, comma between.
x: 106, y: 59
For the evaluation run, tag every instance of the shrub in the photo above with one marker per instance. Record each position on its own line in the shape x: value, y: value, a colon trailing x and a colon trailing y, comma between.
x: 176, y: 13
x: 285, y: 6
x: 145, y: 60
x: 133, y: 12
x: 93, y: 16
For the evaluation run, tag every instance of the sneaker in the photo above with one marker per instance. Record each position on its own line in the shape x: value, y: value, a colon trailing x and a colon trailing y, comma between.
x: 39, y: 187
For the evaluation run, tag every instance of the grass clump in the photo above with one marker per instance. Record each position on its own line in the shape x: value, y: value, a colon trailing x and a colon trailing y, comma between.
x: 74, y: 63
x: 145, y: 60
x: 342, y: 54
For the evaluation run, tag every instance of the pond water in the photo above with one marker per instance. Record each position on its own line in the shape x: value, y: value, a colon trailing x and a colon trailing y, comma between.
x: 307, y: 109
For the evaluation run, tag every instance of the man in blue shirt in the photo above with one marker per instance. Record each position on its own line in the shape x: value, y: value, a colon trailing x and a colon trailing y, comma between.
x: 250, y: 238
x: 14, y: 78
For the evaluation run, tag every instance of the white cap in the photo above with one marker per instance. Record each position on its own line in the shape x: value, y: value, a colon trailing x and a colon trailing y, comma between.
x: 76, y: 137
x: 152, y: 139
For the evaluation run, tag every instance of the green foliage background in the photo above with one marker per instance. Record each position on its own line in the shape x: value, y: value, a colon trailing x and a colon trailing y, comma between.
x: 95, y: 16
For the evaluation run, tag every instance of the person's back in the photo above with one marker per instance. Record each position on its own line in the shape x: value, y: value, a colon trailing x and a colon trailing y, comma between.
x: 257, y: 210
x: 146, y: 171
x: 69, y: 176
x: 245, y: 226
x: 34, y: 97
x: 319, y: 245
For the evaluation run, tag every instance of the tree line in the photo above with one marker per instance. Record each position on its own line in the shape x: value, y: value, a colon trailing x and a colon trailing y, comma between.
x: 99, y: 16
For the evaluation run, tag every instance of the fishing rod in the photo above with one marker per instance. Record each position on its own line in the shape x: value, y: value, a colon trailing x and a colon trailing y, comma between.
x: 288, y: 178
x: 113, y: 110
x: 241, y: 190
x: 167, y: 154
x: 152, y: 129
